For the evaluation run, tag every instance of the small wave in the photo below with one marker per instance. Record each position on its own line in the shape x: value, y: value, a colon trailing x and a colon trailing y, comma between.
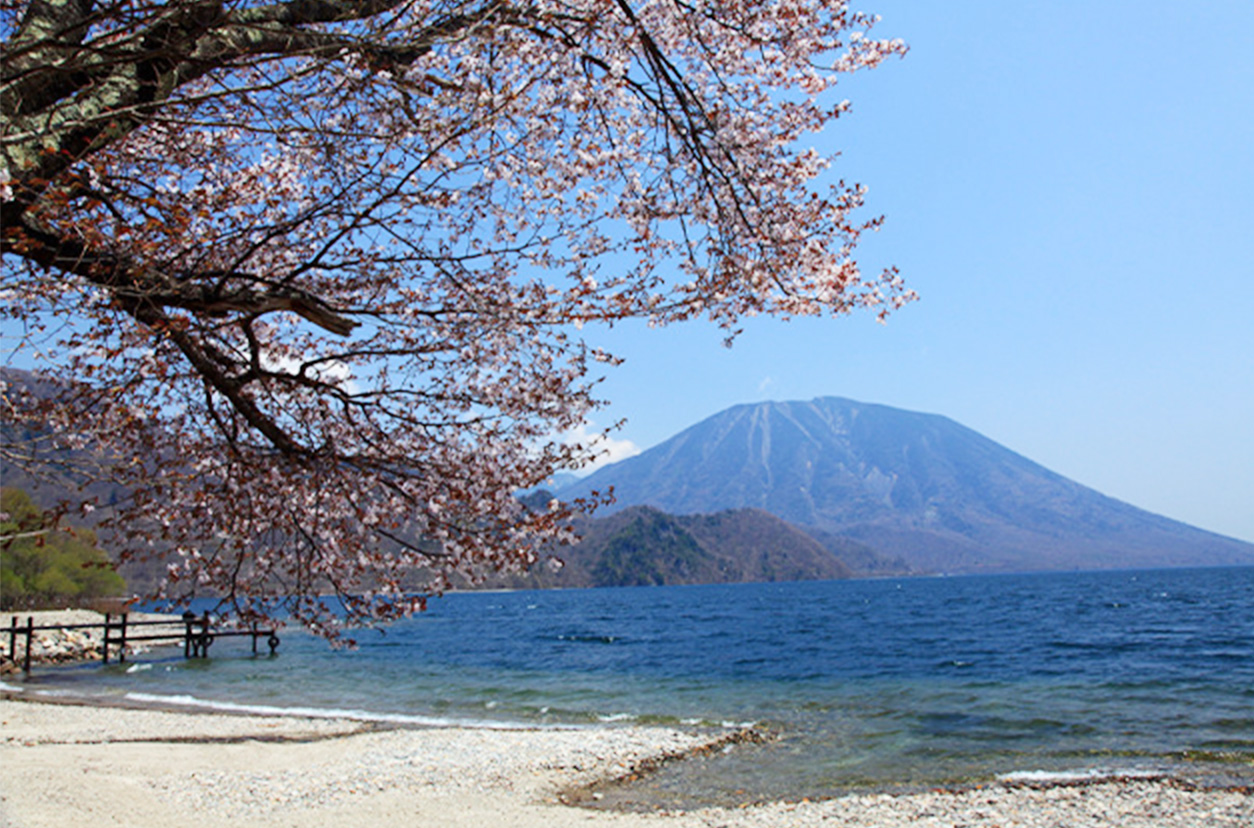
x: 1104, y: 647
x: 612, y: 718
x: 56, y: 693
x: 616, y: 717
x: 589, y: 639
x: 135, y: 668
x: 1225, y: 655
x: 726, y: 724
x: 9, y: 688
x: 337, y: 713
x: 1235, y: 723
x: 1044, y: 777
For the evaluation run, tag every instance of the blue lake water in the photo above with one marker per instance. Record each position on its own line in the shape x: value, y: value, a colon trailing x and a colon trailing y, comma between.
x: 862, y: 684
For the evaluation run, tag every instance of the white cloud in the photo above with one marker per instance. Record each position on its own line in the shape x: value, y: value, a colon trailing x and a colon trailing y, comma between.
x: 607, y: 449
x: 332, y: 372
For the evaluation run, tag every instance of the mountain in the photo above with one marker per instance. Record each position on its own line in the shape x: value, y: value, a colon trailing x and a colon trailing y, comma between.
x: 917, y: 486
x: 642, y: 546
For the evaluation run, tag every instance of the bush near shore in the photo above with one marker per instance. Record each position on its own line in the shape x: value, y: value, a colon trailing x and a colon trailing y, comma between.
x: 44, y: 564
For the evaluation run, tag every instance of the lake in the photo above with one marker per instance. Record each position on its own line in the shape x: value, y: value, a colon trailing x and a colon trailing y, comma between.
x: 875, y: 684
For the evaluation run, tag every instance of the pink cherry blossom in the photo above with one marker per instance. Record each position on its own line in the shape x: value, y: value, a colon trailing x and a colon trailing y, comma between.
x: 318, y: 270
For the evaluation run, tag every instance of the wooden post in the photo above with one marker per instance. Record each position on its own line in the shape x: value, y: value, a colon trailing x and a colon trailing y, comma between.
x: 122, y: 642
x: 13, y: 638
x: 30, y: 630
x: 205, y: 637
x: 104, y: 649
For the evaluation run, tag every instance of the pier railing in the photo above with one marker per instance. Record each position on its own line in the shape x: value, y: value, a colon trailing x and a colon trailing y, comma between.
x: 197, y: 634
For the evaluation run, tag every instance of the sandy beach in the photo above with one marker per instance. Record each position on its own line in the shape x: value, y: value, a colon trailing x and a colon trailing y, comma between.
x: 69, y: 765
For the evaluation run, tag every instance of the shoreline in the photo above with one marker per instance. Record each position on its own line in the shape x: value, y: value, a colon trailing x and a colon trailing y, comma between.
x: 65, y: 763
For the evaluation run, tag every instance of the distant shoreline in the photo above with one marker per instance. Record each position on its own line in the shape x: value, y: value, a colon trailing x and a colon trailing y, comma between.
x: 70, y: 763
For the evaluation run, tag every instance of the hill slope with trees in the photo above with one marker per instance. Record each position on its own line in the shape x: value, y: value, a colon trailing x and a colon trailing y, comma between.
x: 45, y: 565
x: 641, y: 546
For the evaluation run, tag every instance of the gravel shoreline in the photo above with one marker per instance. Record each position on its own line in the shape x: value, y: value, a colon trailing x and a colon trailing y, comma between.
x: 69, y: 765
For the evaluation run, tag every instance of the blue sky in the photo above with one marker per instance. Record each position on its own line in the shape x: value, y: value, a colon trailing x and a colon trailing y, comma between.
x: 1070, y: 188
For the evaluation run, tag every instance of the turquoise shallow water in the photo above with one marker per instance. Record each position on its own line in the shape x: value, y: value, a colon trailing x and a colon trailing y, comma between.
x: 862, y: 684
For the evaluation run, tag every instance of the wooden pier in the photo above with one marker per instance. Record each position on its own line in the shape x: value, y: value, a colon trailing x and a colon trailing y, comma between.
x: 118, y: 631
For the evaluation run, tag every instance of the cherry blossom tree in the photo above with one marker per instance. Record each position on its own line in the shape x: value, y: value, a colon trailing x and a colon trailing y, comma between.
x: 312, y: 273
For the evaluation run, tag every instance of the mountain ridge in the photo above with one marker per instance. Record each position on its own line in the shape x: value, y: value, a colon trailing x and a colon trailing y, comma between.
x: 920, y: 486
